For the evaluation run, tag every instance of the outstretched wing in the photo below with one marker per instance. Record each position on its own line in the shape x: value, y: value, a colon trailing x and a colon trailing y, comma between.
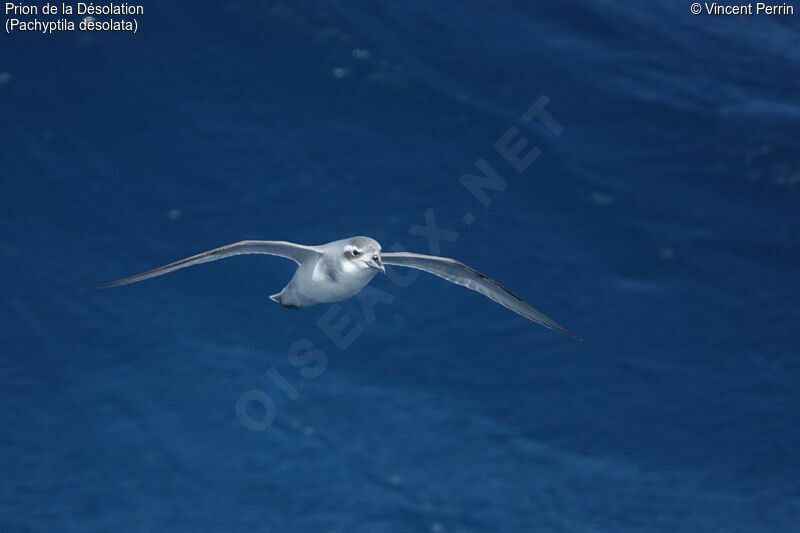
x: 295, y: 252
x: 461, y: 274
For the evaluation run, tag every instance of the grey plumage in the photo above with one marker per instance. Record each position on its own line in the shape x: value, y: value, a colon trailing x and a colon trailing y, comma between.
x: 338, y: 270
x: 461, y: 274
x: 296, y: 252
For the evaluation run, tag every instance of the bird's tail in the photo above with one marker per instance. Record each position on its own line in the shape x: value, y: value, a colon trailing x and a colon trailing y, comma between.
x: 284, y: 301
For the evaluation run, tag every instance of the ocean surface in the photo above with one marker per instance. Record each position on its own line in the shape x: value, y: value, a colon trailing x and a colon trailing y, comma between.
x: 660, y: 222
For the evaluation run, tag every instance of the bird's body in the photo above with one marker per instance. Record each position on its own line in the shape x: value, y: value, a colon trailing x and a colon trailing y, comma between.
x: 338, y: 270
x: 324, y: 279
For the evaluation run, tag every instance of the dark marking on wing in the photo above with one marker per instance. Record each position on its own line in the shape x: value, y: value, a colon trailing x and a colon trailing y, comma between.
x: 490, y: 280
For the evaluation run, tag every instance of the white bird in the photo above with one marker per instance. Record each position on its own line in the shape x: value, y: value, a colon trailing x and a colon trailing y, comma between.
x: 338, y: 270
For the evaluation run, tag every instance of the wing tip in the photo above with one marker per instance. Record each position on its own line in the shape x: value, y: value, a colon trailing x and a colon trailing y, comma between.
x: 112, y: 284
x: 561, y: 329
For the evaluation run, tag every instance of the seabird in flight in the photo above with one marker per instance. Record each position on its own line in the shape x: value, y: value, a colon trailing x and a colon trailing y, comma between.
x: 338, y: 270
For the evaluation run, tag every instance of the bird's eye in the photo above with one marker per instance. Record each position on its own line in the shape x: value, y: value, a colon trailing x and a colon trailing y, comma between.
x: 356, y: 253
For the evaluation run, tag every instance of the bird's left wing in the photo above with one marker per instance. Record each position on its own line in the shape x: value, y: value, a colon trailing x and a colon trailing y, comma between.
x: 295, y: 252
x: 459, y: 273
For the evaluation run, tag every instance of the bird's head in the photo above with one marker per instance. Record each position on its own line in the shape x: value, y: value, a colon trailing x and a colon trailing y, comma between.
x: 363, y: 253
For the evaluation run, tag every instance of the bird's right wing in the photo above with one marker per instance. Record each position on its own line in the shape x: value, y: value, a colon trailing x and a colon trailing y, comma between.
x: 461, y: 274
x: 295, y: 252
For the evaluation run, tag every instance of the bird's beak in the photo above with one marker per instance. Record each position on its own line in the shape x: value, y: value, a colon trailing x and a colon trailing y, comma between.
x: 376, y: 263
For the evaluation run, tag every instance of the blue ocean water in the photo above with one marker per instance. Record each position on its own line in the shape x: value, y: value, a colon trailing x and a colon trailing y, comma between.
x: 661, y: 224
